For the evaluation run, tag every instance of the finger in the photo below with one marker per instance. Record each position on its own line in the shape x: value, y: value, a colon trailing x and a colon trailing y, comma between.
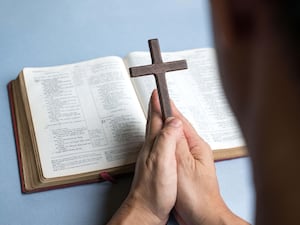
x: 153, y: 127
x: 154, y: 121
x: 188, y: 128
x: 197, y: 145
x: 166, y: 141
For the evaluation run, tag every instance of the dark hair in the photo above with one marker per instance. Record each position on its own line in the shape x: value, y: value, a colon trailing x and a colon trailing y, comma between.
x: 287, y: 13
x: 288, y: 16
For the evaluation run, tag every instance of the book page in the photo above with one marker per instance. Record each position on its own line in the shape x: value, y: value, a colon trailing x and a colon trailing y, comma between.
x: 197, y: 92
x: 86, y: 116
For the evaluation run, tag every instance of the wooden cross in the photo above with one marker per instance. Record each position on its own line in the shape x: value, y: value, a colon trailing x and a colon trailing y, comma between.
x: 158, y: 68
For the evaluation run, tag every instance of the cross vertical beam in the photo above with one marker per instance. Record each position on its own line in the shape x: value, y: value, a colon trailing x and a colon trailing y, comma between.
x: 158, y: 68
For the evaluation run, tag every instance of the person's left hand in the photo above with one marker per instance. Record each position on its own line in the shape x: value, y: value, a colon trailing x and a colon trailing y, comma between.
x: 154, y: 187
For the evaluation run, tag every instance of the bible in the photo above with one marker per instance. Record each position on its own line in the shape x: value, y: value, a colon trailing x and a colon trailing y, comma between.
x: 75, y: 122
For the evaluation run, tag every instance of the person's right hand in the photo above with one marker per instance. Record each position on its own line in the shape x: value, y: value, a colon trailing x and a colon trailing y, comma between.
x: 198, y: 197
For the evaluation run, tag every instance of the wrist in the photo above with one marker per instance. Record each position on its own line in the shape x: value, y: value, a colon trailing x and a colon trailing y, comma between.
x: 133, y: 211
x: 226, y: 217
x: 229, y: 218
x: 219, y: 214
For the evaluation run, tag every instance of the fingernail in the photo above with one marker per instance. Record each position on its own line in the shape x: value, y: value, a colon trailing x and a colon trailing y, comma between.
x: 174, y: 122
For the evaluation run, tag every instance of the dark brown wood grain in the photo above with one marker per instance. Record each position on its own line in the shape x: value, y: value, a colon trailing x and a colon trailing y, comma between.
x: 158, y: 68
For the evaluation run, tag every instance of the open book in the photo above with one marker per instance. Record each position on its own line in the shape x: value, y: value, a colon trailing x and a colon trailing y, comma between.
x: 74, y: 121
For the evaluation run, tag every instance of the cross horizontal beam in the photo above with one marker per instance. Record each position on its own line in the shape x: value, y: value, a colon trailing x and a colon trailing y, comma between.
x: 157, y: 68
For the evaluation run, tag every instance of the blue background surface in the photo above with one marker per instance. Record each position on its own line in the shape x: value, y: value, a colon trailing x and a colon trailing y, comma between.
x: 45, y: 33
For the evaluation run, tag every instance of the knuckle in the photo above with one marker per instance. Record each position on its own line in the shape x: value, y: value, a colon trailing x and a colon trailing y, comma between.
x: 166, y: 133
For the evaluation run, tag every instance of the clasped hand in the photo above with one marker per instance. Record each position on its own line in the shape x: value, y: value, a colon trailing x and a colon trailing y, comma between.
x: 174, y: 171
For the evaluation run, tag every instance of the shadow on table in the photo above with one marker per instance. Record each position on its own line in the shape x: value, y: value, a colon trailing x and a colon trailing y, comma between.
x: 115, y: 196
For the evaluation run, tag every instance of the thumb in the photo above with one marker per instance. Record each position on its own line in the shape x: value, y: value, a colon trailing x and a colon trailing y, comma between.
x: 166, y: 140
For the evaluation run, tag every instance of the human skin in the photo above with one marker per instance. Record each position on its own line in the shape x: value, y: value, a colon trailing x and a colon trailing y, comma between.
x: 154, y: 187
x: 175, y: 168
